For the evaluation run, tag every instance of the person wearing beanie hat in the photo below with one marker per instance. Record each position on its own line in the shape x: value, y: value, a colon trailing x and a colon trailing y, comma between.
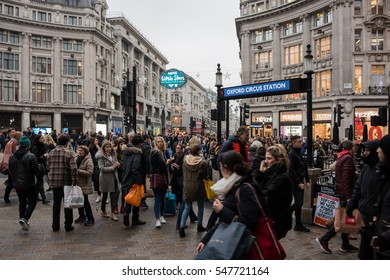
x: 364, y: 196
x: 24, y: 142
x: 381, y: 242
x: 23, y: 166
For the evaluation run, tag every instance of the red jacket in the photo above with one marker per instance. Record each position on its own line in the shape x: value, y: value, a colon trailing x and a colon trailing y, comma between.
x: 345, y: 174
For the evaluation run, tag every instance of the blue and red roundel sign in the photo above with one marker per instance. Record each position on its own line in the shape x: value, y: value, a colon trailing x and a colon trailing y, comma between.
x: 173, y: 78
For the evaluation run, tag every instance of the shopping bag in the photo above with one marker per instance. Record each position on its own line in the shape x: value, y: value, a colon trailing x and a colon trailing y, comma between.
x: 73, y: 197
x: 345, y: 224
x: 148, y: 191
x: 209, y: 192
x: 228, y: 242
x: 135, y: 194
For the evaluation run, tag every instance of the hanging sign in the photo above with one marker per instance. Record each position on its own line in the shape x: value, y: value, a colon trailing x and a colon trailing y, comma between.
x: 173, y: 78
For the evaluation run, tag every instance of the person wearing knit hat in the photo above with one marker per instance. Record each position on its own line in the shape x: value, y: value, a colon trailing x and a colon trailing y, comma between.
x: 381, y: 242
x: 24, y: 142
x: 23, y: 166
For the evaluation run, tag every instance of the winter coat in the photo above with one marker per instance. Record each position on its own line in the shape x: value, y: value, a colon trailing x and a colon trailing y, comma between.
x: 158, y: 165
x: 23, y: 167
x: 383, y: 222
x: 298, y: 169
x: 249, y: 209
x: 234, y: 143
x: 275, y: 187
x: 133, y: 167
x: 108, y: 176
x: 345, y: 174
x: 194, y: 171
x: 61, y: 163
x: 84, y: 173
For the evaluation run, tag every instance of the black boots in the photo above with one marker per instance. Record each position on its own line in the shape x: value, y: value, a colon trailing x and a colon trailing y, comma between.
x: 182, y: 233
x: 126, y: 220
x: 200, y: 228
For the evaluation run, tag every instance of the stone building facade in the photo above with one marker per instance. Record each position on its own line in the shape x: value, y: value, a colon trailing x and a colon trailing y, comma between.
x: 350, y: 42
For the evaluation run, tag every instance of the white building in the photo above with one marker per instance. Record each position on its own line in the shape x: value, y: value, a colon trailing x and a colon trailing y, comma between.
x: 350, y: 43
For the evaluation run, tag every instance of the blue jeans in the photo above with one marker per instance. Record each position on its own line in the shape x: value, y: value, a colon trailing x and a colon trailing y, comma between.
x: 159, y: 202
x: 188, y: 209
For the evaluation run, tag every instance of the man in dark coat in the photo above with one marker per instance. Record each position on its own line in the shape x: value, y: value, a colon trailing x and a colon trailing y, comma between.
x: 345, y: 181
x: 300, y: 177
x: 365, y: 195
x: 238, y: 143
x: 23, y: 167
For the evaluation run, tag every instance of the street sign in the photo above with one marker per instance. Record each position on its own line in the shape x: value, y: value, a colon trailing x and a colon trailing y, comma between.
x: 173, y: 78
x: 263, y: 89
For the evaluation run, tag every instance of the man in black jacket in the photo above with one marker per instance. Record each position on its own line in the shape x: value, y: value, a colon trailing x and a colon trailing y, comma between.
x: 299, y: 177
x: 23, y: 167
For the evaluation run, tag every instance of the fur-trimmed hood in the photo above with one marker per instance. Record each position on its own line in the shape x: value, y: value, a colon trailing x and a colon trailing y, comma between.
x: 193, y: 162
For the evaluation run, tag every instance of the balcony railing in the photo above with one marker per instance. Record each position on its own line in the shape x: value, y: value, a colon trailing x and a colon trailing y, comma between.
x: 378, y: 90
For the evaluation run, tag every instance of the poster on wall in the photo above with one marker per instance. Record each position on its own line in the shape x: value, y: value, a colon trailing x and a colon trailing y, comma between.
x: 325, y: 209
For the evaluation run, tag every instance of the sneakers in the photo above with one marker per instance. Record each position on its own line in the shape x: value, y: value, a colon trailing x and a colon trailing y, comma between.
x: 79, y: 220
x: 24, y: 224
x: 324, y: 245
x: 144, y: 205
x: 98, y: 199
x: 349, y: 249
x: 301, y: 228
x: 105, y: 215
x: 158, y: 223
x: 162, y: 220
x: 114, y: 217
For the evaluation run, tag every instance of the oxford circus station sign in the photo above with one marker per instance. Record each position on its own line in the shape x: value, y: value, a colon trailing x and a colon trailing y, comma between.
x: 173, y: 78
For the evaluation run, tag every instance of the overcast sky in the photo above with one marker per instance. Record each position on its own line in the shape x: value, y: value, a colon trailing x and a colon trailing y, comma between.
x: 194, y: 35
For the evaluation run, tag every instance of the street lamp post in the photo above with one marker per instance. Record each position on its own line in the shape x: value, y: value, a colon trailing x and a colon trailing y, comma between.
x: 218, y: 84
x: 308, y: 66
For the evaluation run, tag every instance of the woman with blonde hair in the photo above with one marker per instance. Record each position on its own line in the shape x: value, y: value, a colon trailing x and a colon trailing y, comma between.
x: 108, y: 178
x: 159, y: 160
x: 49, y: 143
x: 275, y: 188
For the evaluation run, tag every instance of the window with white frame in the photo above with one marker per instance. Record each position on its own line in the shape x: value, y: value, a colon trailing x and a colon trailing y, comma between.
x: 41, y: 93
x: 263, y: 60
x: 323, y: 47
x: 41, y: 65
x: 72, y: 94
x: 9, y: 90
x: 358, y: 79
x: 377, y: 39
x: 293, y: 55
x: 323, y: 81
x: 9, y: 61
x: 377, y: 7
x: 9, y: 37
x: 358, y: 40
x: 72, y: 45
x: 11, y: 10
x: 41, y: 41
x: 72, y: 67
x: 378, y: 75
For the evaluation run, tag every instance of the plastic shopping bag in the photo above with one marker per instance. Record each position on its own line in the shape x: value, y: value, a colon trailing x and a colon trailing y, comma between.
x: 73, y: 197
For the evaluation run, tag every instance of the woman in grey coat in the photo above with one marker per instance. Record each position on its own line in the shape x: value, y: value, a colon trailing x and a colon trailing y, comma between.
x: 108, y: 178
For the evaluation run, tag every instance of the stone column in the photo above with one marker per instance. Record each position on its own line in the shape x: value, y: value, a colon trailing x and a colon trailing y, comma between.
x: 246, y: 60
x: 25, y: 71
x: 276, y: 53
x: 57, y: 79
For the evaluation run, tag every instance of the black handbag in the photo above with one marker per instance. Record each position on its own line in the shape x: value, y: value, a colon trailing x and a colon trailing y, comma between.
x: 158, y: 182
x: 228, y: 242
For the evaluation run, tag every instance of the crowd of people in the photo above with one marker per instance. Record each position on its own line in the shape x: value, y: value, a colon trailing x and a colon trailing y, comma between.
x: 275, y: 167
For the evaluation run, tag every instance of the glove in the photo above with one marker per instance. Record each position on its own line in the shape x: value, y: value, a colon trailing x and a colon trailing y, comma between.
x: 349, y: 210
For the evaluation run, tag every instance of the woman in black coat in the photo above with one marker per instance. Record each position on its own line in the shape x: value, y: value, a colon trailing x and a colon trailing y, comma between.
x: 275, y: 188
x: 236, y: 176
x: 39, y: 150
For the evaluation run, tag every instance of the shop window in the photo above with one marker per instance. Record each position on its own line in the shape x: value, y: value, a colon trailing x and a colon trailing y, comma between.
x: 358, y: 79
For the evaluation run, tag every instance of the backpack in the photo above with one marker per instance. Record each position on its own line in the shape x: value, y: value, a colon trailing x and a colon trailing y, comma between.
x: 214, y: 156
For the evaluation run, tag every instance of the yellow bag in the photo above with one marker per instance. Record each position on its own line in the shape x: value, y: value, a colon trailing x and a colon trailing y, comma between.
x: 135, y: 194
x: 209, y: 192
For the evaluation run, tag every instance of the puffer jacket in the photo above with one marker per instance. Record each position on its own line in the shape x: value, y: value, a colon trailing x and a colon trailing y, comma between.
x: 84, y: 173
x: 133, y: 167
x: 194, y: 171
x: 23, y: 167
x: 345, y: 174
